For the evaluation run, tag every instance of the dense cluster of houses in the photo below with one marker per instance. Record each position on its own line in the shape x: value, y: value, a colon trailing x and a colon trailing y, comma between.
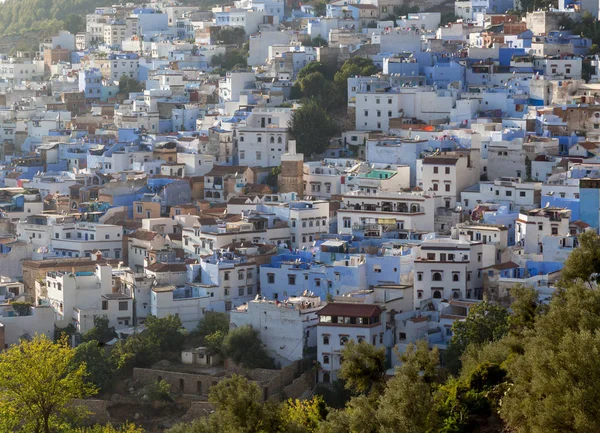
x: 472, y: 166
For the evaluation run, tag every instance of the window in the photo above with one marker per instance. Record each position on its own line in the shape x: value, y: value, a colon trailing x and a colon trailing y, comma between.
x: 250, y: 290
x: 258, y: 156
x: 447, y: 187
x: 226, y: 276
x: 540, y: 227
x: 347, y: 223
x: 435, y: 170
x: 508, y: 193
x: 292, y: 280
x: 241, y: 291
x: 522, y: 194
x: 326, y: 340
x: 240, y: 275
x: 437, y: 276
x: 420, y: 276
x: 123, y: 306
x: 343, y: 340
x: 447, y: 169
x: 106, y: 236
x: 271, y: 278
x: 325, y: 359
x: 455, y: 277
x: 105, y: 305
x: 68, y: 235
x: 554, y: 230
x: 317, y: 282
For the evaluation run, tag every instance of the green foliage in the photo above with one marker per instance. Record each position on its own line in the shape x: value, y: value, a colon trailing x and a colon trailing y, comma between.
x: 407, y: 403
x: 320, y: 8
x: 108, y: 428
x: 230, y: 35
x: 129, y: 85
x: 583, y: 264
x: 160, y: 391
x: 303, y: 416
x: 311, y: 68
x: 554, y: 382
x: 318, y: 41
x: 525, y: 309
x: 21, y: 16
x: 214, y: 342
x: 212, y: 322
x: 355, y: 66
x: 74, y: 23
x: 237, y: 404
x: 168, y: 332
x: 97, y: 362
x: 447, y: 18
x: 273, y: 176
x: 363, y: 367
x: 244, y: 347
x: 37, y: 385
x: 485, y: 322
x: 101, y: 332
x: 464, y: 404
x: 22, y: 308
x: 235, y: 59
x: 135, y: 351
x: 312, y: 128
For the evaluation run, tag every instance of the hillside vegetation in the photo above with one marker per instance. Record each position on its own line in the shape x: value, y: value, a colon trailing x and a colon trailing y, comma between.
x: 21, y: 16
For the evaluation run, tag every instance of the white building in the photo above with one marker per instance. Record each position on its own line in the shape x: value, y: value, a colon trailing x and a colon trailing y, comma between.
x: 340, y: 323
x: 535, y: 225
x: 286, y: 328
x: 451, y: 269
x: 410, y: 211
x: 506, y: 191
x: 79, y: 297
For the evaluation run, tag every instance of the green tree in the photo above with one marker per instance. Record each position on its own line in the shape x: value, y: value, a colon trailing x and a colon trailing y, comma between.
x: 237, y: 403
x: 359, y: 416
x: 22, y: 308
x: 244, y: 347
x: 230, y: 35
x: 160, y: 391
x: 101, y: 332
x: 97, y: 362
x: 234, y: 59
x: 214, y: 342
x: 212, y: 322
x: 407, y: 403
x: 168, y: 332
x: 74, y: 23
x: 312, y: 128
x: 311, y: 68
x: 129, y: 85
x: 320, y: 8
x: 584, y: 262
x: 526, y: 307
x: 485, y: 322
x: 135, y: 351
x: 355, y: 66
x: 38, y: 384
x: 553, y: 383
x: 363, y: 367
x: 303, y: 416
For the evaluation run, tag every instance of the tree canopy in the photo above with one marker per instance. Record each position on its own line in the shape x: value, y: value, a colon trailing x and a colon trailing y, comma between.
x: 243, y: 346
x: 312, y: 128
x: 38, y: 381
x: 363, y: 369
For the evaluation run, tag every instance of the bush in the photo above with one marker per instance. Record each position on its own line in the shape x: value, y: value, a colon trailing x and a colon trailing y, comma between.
x: 160, y: 391
x: 243, y: 346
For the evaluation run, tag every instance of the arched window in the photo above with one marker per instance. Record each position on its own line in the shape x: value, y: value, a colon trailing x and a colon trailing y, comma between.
x: 414, y: 208
x: 279, y: 140
x: 437, y: 294
x: 217, y: 194
x: 402, y: 207
x: 343, y: 340
x: 326, y: 378
x: 436, y: 276
x: 272, y: 140
x: 325, y: 359
x: 455, y: 277
x: 208, y: 194
x: 455, y: 294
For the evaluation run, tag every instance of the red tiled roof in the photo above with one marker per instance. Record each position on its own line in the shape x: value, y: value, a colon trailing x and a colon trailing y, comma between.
x: 351, y: 310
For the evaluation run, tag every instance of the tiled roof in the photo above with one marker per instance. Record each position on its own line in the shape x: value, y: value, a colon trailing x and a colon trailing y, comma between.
x: 351, y: 310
